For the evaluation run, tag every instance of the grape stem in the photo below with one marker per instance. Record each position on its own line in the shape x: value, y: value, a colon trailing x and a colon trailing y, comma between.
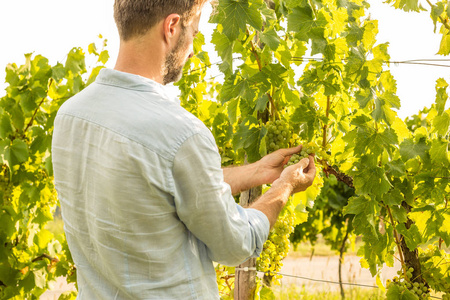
x: 325, y: 126
x: 397, y: 241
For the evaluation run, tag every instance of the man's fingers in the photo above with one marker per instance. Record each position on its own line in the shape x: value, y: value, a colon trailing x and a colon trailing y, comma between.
x: 291, y: 151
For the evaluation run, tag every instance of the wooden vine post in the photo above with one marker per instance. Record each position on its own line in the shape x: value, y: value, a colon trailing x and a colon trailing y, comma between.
x: 245, y: 275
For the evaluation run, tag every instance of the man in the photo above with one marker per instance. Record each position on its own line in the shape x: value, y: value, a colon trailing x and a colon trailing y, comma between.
x: 145, y: 203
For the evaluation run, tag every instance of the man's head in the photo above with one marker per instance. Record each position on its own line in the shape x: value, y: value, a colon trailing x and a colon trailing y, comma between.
x: 174, y: 23
x: 136, y: 17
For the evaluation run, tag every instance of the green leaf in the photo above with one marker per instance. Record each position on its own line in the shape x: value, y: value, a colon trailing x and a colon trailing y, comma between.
x: 235, y: 15
x: 261, y: 103
x: 5, y: 126
x: 364, y: 210
x: 42, y: 238
x: 409, y: 149
x: 406, y: 5
x: 58, y: 72
x: 94, y: 74
x: 356, y: 205
x: 441, y: 95
x: 103, y: 57
x: 224, y: 48
x: 438, y: 152
x: 399, y: 213
x: 16, y: 153
x: 27, y: 101
x: 271, y: 39
x: 17, y: 117
x: 371, y: 180
x: 436, y: 11
x: 394, y: 197
x: 302, y: 21
x: 75, y: 61
x: 248, y: 137
x: 276, y: 74
x: 383, y: 111
x: 396, y: 168
x: 444, y: 47
x: 39, y: 278
x: 441, y: 124
x: 412, y: 236
x: 266, y: 294
x: 92, y: 49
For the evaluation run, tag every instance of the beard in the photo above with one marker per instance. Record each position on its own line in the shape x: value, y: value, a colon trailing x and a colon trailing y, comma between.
x: 174, y: 63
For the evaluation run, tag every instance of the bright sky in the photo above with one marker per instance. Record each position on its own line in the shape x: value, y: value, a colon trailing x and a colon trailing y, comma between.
x: 52, y: 27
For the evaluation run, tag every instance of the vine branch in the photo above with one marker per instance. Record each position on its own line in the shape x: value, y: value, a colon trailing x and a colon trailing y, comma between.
x: 397, y: 241
x: 348, y: 180
x: 42, y: 256
x: 34, y: 115
x: 325, y: 126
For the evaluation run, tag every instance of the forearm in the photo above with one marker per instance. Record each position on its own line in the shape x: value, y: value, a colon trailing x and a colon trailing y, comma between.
x: 242, y: 178
x: 272, y: 202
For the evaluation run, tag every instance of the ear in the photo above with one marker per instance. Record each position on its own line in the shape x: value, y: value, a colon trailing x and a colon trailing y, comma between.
x: 171, y: 27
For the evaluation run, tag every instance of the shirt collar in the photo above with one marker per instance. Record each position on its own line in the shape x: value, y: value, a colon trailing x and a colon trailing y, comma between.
x: 133, y: 82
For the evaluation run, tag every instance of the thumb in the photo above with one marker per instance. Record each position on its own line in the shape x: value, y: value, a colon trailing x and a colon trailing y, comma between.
x: 303, y: 163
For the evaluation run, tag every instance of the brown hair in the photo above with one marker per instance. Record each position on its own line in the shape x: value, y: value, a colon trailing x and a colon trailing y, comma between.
x: 136, y: 17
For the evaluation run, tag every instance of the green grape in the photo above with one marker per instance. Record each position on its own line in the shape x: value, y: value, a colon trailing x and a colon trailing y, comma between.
x: 294, y: 159
x: 277, y: 246
x: 403, y: 282
x: 278, y: 135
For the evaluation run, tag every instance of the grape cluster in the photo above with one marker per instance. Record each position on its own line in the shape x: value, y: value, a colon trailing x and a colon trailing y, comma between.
x: 307, y: 149
x: 278, y: 135
x: 277, y: 246
x: 417, y: 288
x: 436, y: 274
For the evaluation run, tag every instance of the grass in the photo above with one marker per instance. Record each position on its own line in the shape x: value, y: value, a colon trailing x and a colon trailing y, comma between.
x: 295, y: 292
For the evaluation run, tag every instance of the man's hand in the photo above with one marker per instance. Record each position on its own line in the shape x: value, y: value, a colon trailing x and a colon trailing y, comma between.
x: 298, y: 176
x: 271, y: 166
x: 293, y: 179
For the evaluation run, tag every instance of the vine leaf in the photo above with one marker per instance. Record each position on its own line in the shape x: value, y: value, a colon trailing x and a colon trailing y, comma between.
x: 15, y: 153
x: 235, y: 15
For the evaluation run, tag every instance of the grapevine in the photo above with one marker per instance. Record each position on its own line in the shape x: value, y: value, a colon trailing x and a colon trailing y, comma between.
x: 32, y: 256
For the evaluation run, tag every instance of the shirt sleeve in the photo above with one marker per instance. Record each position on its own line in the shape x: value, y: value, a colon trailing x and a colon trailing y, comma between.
x: 204, y: 203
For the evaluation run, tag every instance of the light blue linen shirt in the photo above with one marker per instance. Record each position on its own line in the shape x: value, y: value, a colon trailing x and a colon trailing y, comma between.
x: 145, y: 207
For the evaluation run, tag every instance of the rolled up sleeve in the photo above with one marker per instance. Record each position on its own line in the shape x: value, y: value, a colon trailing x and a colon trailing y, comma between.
x: 204, y: 203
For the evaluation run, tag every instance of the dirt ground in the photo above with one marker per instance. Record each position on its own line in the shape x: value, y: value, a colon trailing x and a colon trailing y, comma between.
x: 319, y: 267
x: 326, y: 268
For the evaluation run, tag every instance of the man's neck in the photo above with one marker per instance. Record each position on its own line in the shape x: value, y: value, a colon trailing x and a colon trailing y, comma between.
x: 141, y: 57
